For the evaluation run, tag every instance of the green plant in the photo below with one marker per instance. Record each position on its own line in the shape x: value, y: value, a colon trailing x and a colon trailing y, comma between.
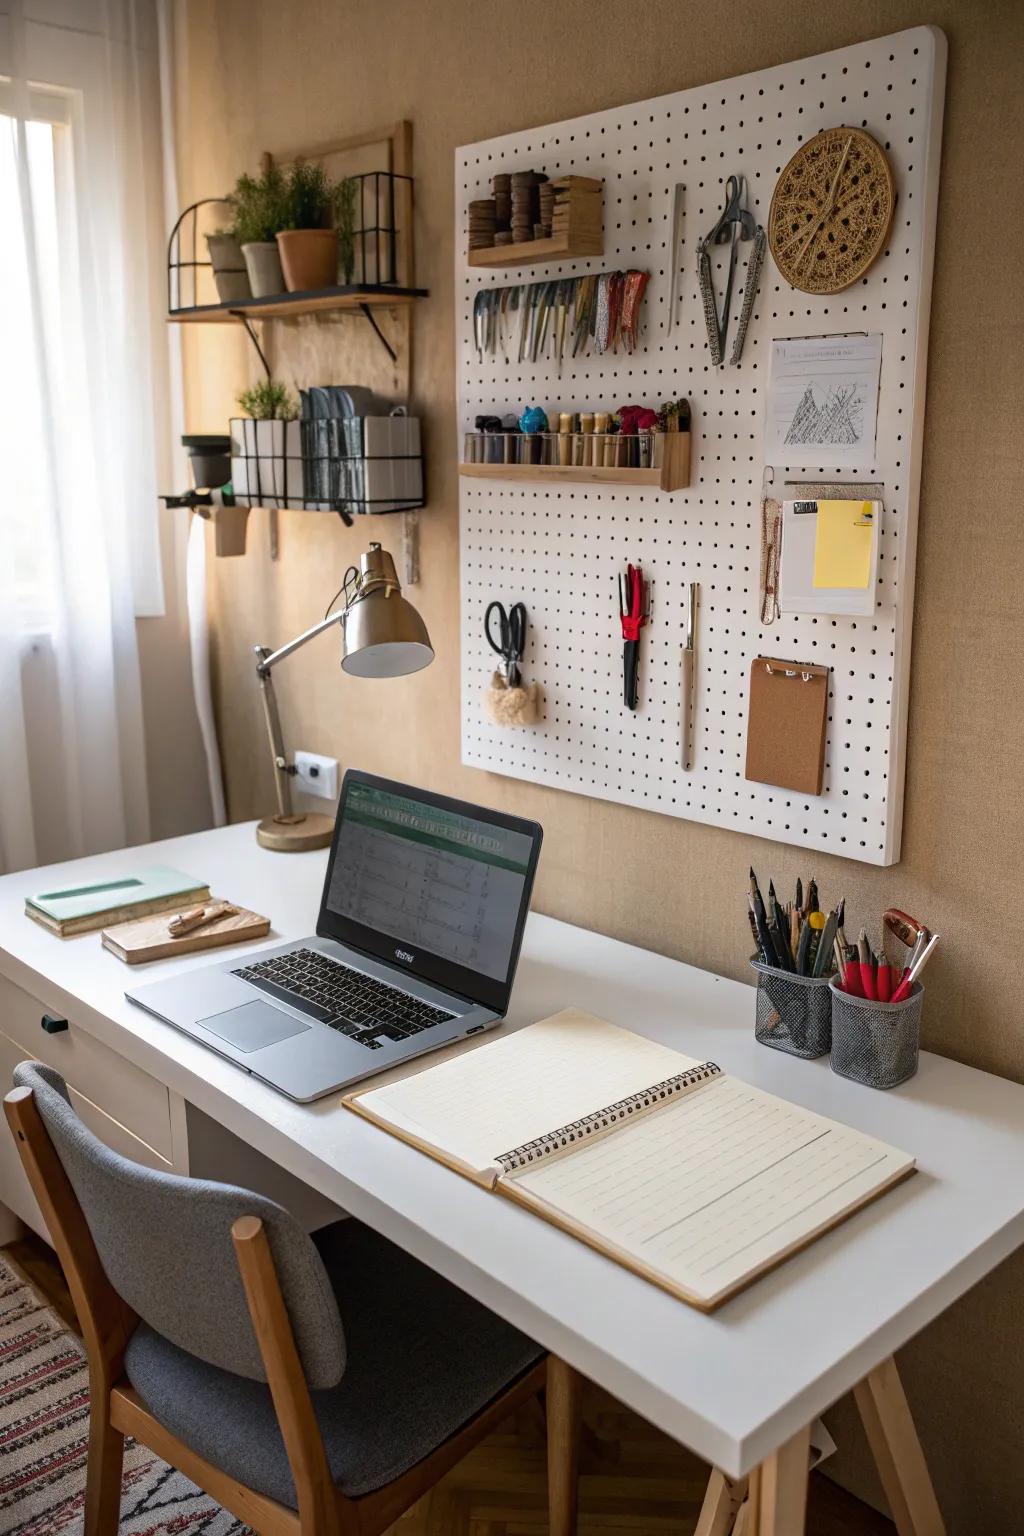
x: 308, y: 197
x: 343, y: 201
x: 269, y: 401
x: 260, y: 206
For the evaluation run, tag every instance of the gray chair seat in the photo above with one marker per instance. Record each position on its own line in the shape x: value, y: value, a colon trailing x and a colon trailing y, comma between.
x: 423, y: 1359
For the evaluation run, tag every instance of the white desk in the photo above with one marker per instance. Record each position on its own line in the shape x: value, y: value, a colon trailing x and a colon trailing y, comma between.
x: 733, y: 1386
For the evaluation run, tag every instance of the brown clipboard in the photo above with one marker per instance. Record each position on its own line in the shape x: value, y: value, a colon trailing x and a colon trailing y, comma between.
x: 787, y: 715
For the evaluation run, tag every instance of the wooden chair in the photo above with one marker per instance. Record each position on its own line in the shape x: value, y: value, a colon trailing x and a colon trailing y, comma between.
x: 189, y: 1343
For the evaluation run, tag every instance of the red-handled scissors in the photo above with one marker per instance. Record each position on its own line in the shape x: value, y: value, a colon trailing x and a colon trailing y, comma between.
x: 634, y: 594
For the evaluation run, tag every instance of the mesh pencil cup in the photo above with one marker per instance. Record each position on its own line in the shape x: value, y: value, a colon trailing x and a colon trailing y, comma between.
x: 876, y: 1044
x: 794, y: 1013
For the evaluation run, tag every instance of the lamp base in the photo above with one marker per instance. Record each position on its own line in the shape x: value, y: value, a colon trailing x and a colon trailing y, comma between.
x: 295, y: 834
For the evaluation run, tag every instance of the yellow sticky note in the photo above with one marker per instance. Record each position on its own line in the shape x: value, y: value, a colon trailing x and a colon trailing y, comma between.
x: 842, y: 544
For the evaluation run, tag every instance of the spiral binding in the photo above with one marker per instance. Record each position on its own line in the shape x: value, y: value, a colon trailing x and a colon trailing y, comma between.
x: 603, y: 1119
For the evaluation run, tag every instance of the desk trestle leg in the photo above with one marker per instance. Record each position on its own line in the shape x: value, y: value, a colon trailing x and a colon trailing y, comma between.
x: 773, y: 1500
x: 889, y: 1426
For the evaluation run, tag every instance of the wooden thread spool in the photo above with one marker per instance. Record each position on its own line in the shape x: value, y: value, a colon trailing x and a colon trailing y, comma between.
x: 587, y: 429
x: 565, y: 438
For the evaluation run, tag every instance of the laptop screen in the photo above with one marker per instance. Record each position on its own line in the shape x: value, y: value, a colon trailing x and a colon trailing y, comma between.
x: 439, y: 887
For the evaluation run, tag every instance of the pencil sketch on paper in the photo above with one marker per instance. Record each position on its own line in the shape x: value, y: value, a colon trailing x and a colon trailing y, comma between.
x: 822, y: 403
x: 838, y: 418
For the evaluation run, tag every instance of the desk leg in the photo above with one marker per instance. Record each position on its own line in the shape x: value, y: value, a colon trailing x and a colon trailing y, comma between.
x: 722, y: 1503
x: 783, y: 1488
x: 562, y: 1401
x: 897, y: 1451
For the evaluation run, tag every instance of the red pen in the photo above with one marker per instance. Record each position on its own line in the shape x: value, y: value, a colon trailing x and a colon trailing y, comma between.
x: 884, y: 983
x: 867, y: 967
x: 851, y: 983
x: 906, y: 986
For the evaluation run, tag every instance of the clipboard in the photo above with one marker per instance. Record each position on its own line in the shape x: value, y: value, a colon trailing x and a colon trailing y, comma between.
x: 800, y: 588
x: 787, y: 715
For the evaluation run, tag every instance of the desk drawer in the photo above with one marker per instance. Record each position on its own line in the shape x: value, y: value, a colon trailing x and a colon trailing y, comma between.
x: 129, y: 1096
x: 14, y: 1186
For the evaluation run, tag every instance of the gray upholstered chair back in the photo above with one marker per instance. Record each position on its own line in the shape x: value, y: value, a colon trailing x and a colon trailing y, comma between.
x: 165, y: 1244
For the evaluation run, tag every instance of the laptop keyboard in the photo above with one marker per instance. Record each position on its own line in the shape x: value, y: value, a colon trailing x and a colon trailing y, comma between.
x: 368, y: 1011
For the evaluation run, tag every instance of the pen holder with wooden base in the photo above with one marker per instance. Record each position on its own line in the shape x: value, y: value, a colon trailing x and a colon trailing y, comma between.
x: 511, y: 706
x: 794, y: 1013
x: 876, y: 1044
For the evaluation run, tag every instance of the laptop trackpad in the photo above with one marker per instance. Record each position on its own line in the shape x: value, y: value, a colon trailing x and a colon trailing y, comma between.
x: 254, y: 1026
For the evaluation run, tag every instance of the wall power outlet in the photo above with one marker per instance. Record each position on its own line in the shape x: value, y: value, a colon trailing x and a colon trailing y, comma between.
x: 317, y: 775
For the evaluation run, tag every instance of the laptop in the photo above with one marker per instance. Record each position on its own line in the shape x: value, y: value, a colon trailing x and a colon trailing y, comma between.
x: 417, y: 942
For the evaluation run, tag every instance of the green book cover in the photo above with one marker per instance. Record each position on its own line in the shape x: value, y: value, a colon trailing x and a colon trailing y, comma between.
x: 153, y: 884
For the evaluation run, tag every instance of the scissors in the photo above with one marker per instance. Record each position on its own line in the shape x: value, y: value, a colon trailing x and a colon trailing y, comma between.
x: 511, y: 641
x: 634, y: 611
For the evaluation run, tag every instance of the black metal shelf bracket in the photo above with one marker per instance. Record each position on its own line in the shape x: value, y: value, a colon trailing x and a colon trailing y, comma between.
x: 239, y: 314
x: 388, y: 348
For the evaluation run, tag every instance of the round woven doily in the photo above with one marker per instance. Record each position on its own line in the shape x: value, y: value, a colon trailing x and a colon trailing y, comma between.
x: 831, y: 210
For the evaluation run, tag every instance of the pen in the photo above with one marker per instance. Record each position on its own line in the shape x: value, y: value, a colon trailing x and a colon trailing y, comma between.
x: 816, y: 925
x: 765, y: 944
x: 906, y: 985
x: 780, y: 926
x: 753, y: 926
x: 825, y: 945
x: 755, y: 892
x: 799, y: 894
x: 867, y: 968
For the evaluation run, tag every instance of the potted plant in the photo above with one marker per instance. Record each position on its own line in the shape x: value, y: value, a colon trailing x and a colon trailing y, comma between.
x: 229, y: 270
x: 259, y: 214
x: 306, y: 239
x: 266, y: 446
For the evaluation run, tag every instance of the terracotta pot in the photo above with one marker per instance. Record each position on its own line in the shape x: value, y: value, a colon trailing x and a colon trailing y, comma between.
x: 229, y: 270
x: 309, y: 258
x: 264, y: 267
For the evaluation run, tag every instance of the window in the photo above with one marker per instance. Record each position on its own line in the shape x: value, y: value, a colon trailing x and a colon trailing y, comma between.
x: 28, y: 519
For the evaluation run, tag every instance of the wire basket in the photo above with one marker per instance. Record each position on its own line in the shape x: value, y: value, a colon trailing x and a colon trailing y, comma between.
x: 372, y: 253
x: 876, y: 1044
x: 329, y: 465
x: 794, y: 1013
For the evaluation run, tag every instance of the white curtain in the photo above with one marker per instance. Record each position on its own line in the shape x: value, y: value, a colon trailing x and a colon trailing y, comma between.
x: 84, y: 418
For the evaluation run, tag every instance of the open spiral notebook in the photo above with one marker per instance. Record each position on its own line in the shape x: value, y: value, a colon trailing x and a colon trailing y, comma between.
x: 677, y: 1170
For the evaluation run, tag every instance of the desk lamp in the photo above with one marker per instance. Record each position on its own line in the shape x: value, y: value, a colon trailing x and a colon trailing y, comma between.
x: 382, y: 636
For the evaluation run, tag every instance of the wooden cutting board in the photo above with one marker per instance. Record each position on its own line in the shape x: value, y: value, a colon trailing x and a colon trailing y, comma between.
x: 148, y: 938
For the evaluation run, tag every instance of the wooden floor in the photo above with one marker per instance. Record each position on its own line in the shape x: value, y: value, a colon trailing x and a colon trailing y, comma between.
x: 636, y: 1481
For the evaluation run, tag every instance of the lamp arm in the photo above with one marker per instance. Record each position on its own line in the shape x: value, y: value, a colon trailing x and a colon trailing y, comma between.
x: 265, y: 662
x: 265, y: 659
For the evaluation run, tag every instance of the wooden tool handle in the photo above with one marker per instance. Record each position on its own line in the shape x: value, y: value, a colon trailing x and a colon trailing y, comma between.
x: 185, y: 922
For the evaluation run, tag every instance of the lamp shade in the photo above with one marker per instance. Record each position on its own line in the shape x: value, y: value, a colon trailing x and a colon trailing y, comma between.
x: 384, y: 636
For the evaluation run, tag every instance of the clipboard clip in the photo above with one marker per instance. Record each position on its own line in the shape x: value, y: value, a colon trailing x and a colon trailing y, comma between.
x: 805, y: 677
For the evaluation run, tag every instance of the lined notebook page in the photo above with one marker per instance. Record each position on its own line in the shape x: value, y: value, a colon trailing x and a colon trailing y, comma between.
x: 521, y: 1086
x: 714, y: 1187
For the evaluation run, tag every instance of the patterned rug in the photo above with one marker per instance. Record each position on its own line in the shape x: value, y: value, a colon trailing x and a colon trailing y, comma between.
x: 44, y: 1432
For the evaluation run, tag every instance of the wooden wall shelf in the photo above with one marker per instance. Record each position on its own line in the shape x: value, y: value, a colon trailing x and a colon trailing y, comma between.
x: 285, y: 306
x: 532, y: 252
x: 577, y: 229
x: 673, y: 474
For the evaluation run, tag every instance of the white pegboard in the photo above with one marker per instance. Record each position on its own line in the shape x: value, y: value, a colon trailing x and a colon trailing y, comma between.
x: 558, y: 549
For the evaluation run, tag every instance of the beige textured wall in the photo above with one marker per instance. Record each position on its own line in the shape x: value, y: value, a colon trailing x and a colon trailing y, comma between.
x: 269, y: 74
